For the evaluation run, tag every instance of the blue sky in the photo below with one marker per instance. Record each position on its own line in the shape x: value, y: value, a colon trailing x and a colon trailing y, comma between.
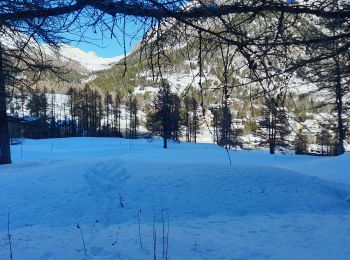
x: 106, y: 47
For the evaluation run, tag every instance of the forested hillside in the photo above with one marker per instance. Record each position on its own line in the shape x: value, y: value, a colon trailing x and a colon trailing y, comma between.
x: 251, y: 87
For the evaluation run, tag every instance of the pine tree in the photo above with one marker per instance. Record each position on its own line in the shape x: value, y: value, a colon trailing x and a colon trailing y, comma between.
x: 165, y: 119
x: 108, y: 107
x: 132, y: 108
x: 216, y: 113
x: 186, y: 118
x: 53, y: 114
x: 71, y: 93
x: 117, y: 112
x: 195, y: 120
x: 37, y: 104
x: 274, y: 125
x: 325, y: 140
x: 300, y: 143
x: 331, y: 74
x: 190, y: 119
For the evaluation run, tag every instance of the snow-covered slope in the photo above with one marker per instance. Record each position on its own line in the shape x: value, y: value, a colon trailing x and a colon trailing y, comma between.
x: 89, y: 60
x: 66, y: 53
x: 202, y: 207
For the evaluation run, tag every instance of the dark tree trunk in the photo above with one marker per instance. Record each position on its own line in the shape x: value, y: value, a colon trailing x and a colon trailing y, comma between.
x: 195, y: 129
x: 5, y: 152
x: 165, y: 143
x: 339, y: 104
x: 272, y: 128
x: 272, y: 147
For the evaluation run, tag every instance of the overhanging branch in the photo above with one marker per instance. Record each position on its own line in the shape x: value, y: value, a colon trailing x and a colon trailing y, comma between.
x: 147, y: 9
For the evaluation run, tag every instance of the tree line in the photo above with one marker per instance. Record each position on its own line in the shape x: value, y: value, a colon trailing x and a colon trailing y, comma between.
x: 79, y: 112
x: 88, y: 112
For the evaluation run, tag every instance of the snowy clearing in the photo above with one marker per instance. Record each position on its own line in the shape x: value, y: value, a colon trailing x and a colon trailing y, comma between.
x: 260, y: 207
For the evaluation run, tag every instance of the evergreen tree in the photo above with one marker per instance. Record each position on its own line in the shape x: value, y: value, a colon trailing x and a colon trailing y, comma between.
x: 117, y: 103
x: 165, y: 119
x: 71, y: 94
x: 325, y: 140
x: 37, y: 104
x: 224, y: 134
x: 274, y: 125
x: 186, y: 118
x: 225, y: 126
x: 108, y: 110
x: 190, y: 119
x: 99, y: 112
x: 195, y: 120
x: 300, y: 143
x: 52, y: 113
x: 216, y: 113
x: 331, y: 74
x: 131, y: 109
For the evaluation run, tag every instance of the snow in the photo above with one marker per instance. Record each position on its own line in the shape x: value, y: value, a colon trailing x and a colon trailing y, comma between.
x: 88, y: 60
x: 66, y: 53
x: 143, y: 90
x: 261, y: 206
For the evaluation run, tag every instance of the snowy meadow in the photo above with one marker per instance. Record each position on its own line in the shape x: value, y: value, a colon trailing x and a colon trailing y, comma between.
x: 111, y: 198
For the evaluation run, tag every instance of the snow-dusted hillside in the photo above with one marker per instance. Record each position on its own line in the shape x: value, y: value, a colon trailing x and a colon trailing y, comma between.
x: 259, y: 207
x: 88, y: 60
x: 78, y: 59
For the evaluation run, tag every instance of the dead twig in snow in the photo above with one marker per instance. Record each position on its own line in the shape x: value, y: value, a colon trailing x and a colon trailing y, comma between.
x: 9, y: 235
x: 82, y: 238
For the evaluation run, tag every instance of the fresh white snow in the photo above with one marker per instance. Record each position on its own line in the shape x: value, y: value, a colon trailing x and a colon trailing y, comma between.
x: 66, y: 53
x: 89, y: 60
x: 261, y: 206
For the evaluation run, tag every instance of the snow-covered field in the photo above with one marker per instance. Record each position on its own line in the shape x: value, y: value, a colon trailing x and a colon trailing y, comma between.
x: 260, y: 207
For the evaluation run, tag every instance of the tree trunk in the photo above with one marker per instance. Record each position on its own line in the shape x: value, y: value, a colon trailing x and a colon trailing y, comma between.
x: 165, y: 143
x: 339, y: 103
x: 5, y: 152
x: 272, y: 147
x: 195, y: 130
x: 271, y: 140
x: 272, y: 132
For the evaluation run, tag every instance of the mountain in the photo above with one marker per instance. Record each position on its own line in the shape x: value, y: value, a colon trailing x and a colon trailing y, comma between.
x: 248, y: 99
x: 87, y: 62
